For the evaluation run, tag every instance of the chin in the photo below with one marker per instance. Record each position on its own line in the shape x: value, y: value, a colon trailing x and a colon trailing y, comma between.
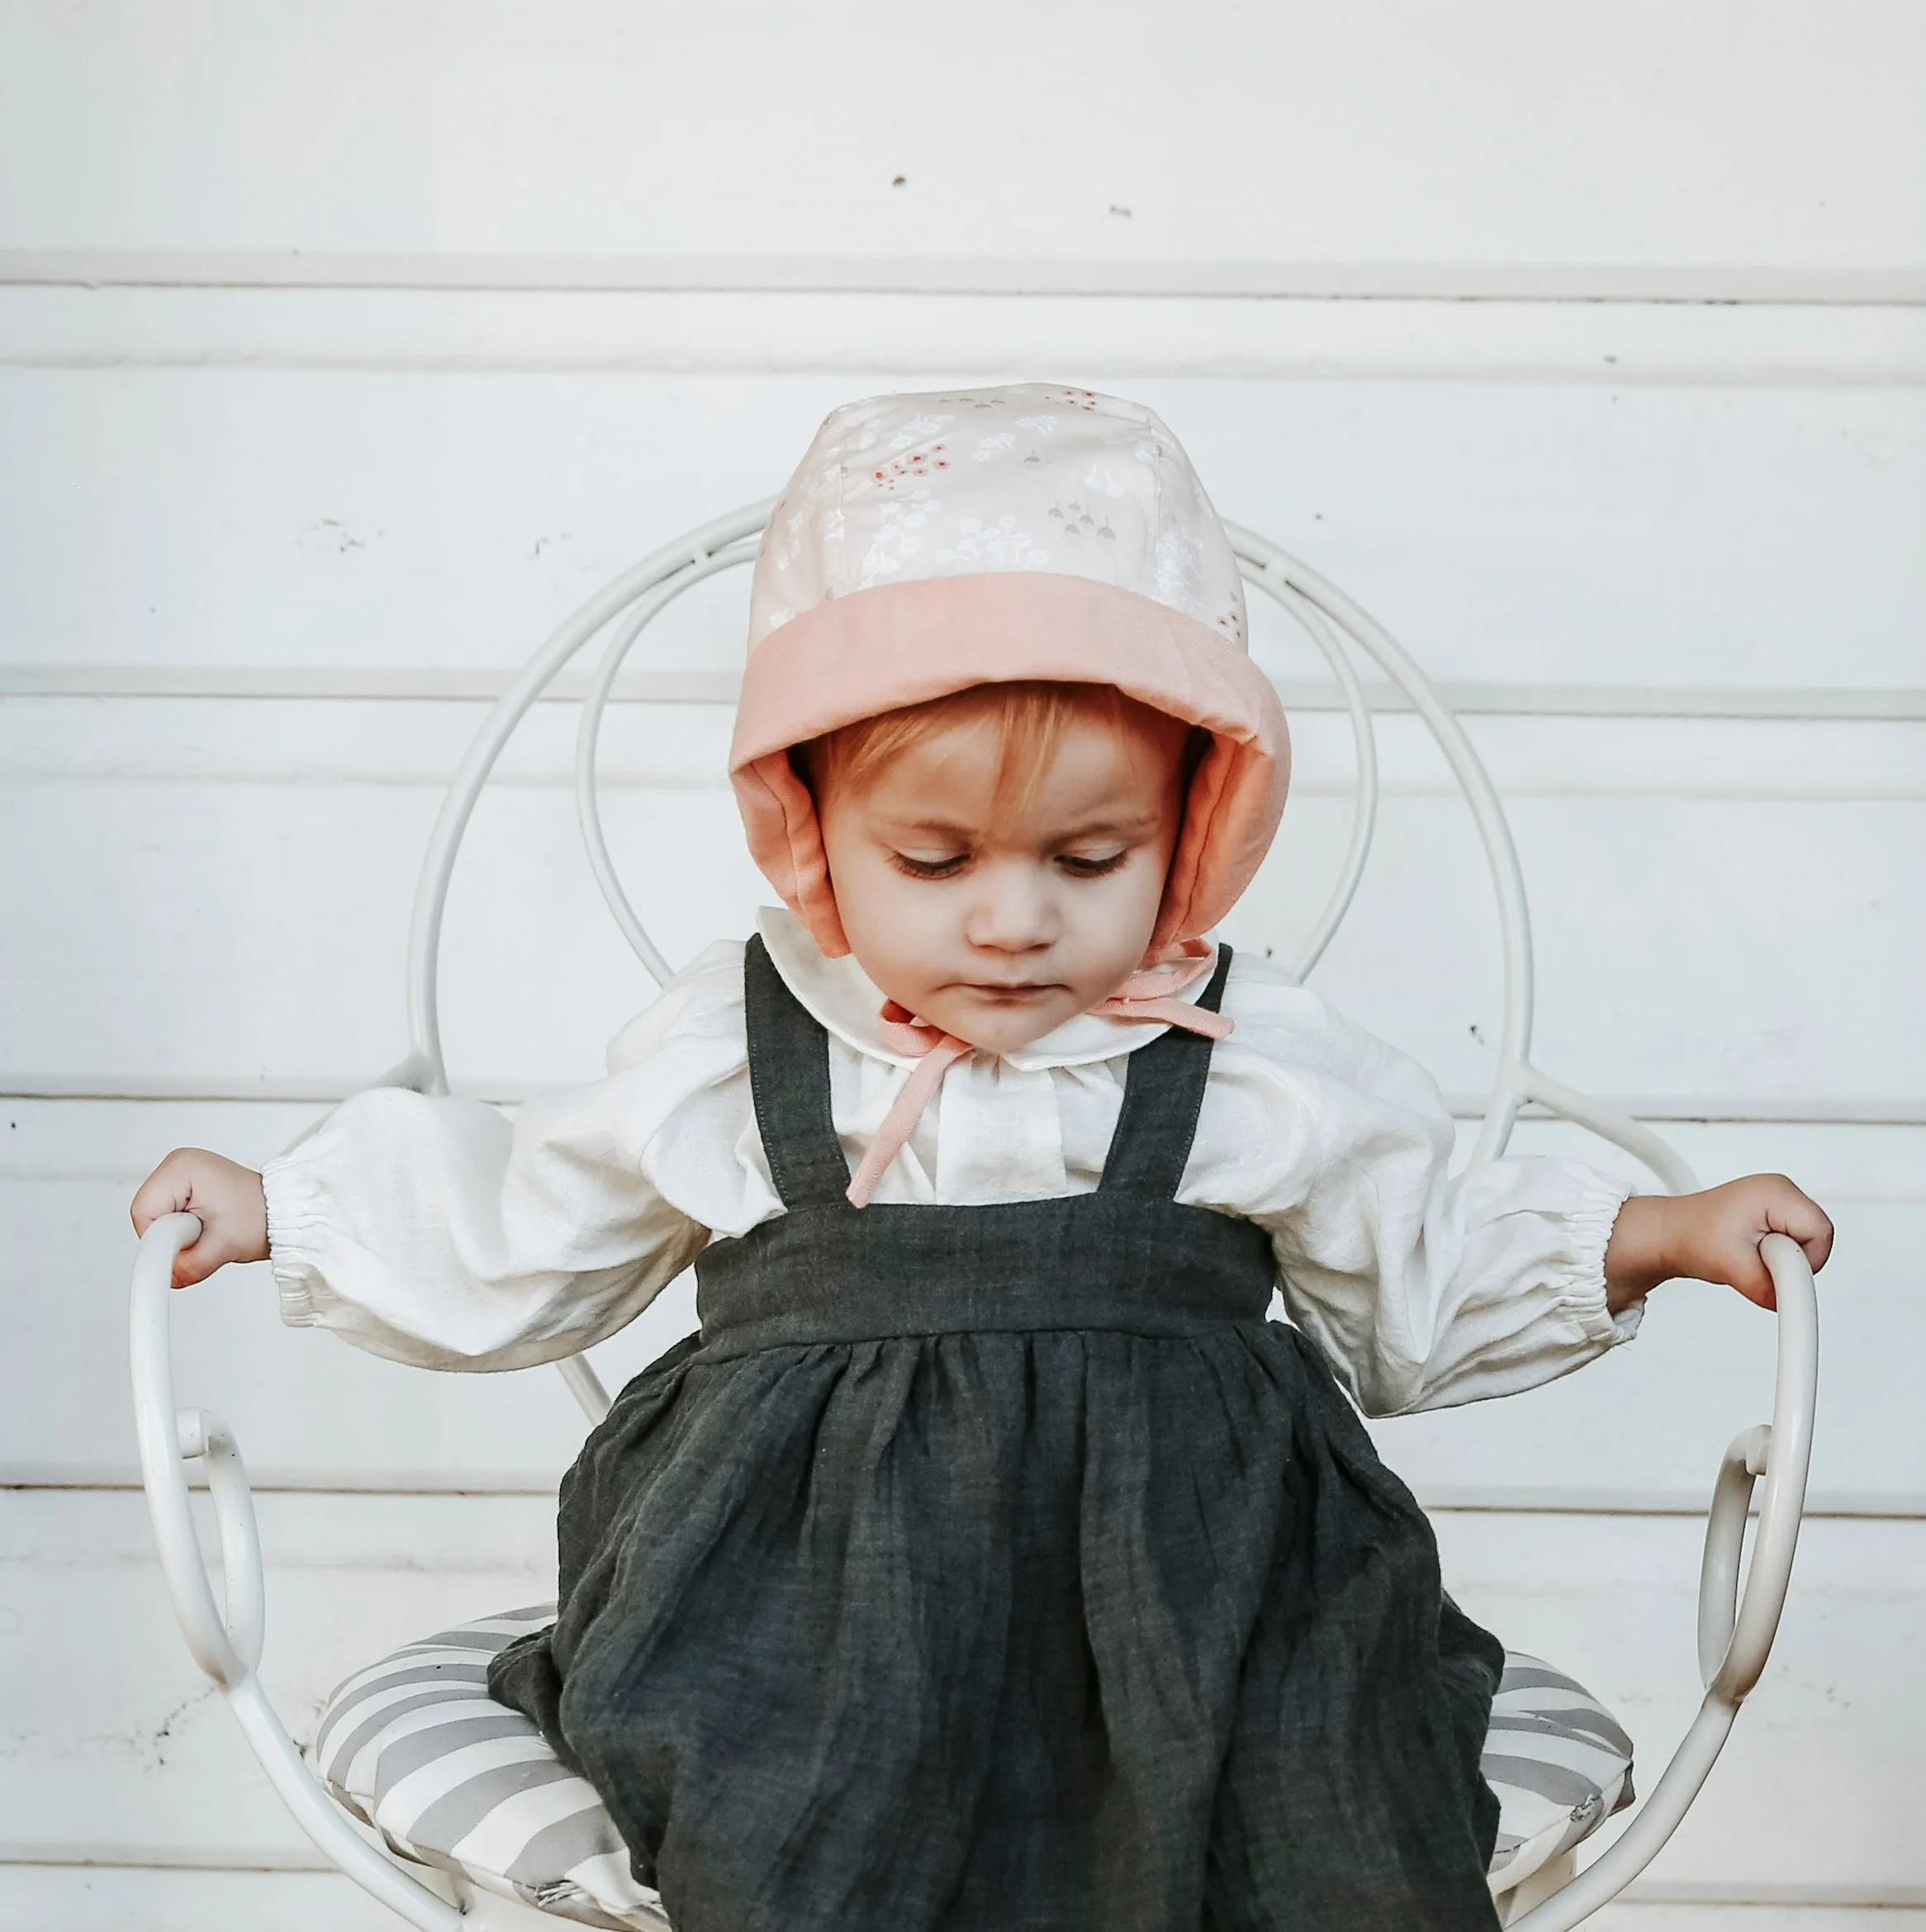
x: 1009, y: 1030
x: 1002, y: 1039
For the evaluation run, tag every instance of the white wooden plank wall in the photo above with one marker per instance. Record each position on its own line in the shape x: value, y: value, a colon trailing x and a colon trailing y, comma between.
x: 345, y: 347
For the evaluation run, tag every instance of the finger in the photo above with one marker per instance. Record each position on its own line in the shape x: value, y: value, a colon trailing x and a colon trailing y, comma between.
x: 1747, y: 1271
x: 1798, y: 1215
x: 1812, y: 1230
x: 164, y: 1192
x: 206, y: 1254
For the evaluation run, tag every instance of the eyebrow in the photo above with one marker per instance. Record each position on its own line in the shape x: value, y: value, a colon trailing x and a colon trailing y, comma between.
x: 1134, y: 827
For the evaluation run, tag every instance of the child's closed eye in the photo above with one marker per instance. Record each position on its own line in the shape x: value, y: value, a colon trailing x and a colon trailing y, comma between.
x: 1091, y: 865
x: 912, y: 867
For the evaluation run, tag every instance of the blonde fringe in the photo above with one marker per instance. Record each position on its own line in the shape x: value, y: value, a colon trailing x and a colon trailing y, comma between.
x: 1029, y: 716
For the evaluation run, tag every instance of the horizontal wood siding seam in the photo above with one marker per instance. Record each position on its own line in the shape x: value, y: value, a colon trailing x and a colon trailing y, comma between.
x: 946, y: 336
x: 87, y: 1854
x: 1217, y: 279
x: 323, y: 1090
x: 479, y: 685
x: 1445, y: 1500
x: 104, y: 1854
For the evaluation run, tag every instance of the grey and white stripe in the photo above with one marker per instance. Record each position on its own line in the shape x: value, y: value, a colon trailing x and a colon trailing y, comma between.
x: 414, y: 1746
x: 1558, y: 1762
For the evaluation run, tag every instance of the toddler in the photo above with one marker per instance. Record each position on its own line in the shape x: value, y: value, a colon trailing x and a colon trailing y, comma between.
x: 989, y: 1558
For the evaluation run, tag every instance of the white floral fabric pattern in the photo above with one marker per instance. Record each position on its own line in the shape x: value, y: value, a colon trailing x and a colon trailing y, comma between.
x: 1034, y: 477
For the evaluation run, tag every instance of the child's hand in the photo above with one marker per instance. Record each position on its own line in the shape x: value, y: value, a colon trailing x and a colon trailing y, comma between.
x: 1711, y: 1237
x: 228, y: 1198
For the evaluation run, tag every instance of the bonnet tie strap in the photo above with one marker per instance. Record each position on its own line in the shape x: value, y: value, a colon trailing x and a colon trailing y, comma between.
x: 1150, y: 995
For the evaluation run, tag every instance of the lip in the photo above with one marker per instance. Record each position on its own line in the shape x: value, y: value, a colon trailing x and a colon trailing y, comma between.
x: 1021, y: 989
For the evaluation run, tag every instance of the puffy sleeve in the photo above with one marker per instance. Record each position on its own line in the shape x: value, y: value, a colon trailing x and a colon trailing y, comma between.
x: 1422, y: 1289
x: 436, y: 1231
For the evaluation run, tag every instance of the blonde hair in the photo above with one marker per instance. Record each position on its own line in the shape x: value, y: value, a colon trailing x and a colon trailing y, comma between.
x: 1029, y: 716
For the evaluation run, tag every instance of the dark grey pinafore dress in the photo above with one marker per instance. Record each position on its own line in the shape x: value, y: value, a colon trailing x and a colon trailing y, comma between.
x: 1002, y: 1567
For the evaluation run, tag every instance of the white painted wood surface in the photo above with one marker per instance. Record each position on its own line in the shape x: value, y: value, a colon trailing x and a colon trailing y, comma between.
x: 96, y: 1899
x: 134, y: 1757
x: 1590, y: 533
x: 1775, y: 135
x: 343, y: 350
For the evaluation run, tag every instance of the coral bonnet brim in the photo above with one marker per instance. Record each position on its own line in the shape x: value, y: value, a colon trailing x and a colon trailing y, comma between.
x: 899, y: 644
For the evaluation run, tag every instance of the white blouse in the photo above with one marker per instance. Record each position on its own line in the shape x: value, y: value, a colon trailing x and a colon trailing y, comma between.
x: 435, y: 1231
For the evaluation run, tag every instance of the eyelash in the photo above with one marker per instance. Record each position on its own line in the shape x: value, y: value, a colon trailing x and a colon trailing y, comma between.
x: 1092, y: 868
x: 948, y: 868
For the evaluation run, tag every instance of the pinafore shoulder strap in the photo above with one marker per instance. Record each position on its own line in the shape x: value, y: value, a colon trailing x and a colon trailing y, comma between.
x: 789, y: 1078
x: 1163, y: 1096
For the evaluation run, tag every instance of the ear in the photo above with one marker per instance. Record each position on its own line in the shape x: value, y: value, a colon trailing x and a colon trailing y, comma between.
x: 785, y: 839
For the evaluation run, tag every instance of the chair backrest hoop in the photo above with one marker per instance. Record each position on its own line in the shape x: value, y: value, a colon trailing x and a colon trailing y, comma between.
x: 690, y: 552
x: 1332, y: 622
x: 588, y: 738
x: 1494, y: 832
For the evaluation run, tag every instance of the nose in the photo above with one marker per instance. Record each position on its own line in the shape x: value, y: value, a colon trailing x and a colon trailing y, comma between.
x: 1012, y: 910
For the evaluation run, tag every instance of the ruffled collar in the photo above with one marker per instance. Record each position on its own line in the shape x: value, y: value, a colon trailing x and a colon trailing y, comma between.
x: 839, y: 994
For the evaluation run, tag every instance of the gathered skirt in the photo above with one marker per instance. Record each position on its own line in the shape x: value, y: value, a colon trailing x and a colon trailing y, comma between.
x: 1052, y: 1628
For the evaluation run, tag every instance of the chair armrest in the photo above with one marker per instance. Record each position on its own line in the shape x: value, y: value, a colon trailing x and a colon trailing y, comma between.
x: 1736, y: 1633
x: 226, y: 1639
x: 1736, y: 1627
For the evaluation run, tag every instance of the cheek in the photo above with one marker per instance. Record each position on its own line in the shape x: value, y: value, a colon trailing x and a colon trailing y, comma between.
x: 889, y: 919
x: 1129, y: 913
x: 1144, y: 900
x: 856, y: 877
x: 1141, y: 883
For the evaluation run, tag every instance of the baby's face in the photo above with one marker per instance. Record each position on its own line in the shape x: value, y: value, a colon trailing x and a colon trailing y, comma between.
x: 996, y: 928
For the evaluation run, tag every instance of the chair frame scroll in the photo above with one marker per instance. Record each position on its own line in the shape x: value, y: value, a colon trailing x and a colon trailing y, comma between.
x: 1739, y: 1603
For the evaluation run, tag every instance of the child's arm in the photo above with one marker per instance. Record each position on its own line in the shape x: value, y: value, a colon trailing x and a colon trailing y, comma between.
x: 1710, y: 1236
x: 433, y: 1231
x: 226, y: 1197
x: 1422, y: 1287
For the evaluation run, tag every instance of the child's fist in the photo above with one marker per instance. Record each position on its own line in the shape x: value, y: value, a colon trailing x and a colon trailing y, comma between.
x: 227, y: 1197
x: 1711, y: 1237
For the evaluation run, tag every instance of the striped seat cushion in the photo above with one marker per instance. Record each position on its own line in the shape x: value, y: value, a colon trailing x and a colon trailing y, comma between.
x: 414, y: 1746
x: 1559, y: 1764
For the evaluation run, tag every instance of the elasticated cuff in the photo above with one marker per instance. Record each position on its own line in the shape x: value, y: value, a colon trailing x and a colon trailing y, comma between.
x: 1591, y: 1222
x: 295, y: 1219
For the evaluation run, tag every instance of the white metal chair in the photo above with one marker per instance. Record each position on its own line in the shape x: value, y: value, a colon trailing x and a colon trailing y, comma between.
x: 1736, y: 1626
